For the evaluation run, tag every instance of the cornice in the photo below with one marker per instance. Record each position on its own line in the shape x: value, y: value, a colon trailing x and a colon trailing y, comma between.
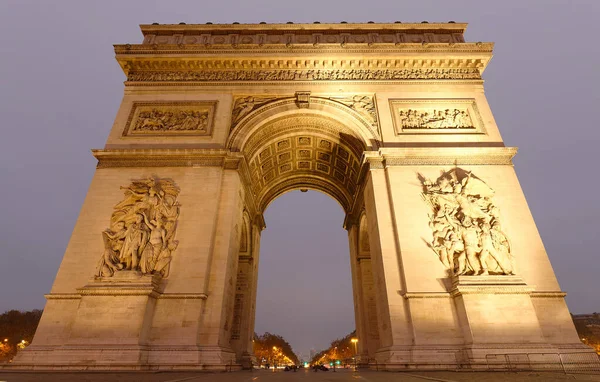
x: 404, y: 48
x: 186, y: 62
x: 452, y: 27
x: 166, y: 158
x: 168, y: 63
x: 410, y: 156
x: 549, y: 294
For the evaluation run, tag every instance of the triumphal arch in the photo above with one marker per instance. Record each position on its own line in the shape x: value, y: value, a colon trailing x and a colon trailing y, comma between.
x: 390, y: 120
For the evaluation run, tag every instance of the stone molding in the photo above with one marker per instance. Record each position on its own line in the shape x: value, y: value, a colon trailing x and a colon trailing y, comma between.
x: 422, y: 47
x: 184, y: 296
x: 107, y: 292
x: 165, y: 158
x: 410, y: 295
x: 245, y: 110
x: 303, y: 34
x: 334, y: 126
x: 549, y: 294
x: 62, y: 296
x: 492, y: 284
x: 413, y: 156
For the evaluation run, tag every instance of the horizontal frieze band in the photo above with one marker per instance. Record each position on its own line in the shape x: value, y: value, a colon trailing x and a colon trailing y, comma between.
x: 305, y: 75
x: 385, y: 157
x: 411, y: 156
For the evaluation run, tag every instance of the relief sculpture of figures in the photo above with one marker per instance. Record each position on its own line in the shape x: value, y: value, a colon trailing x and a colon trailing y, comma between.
x: 435, y: 119
x: 243, y: 106
x: 362, y: 104
x: 174, y: 120
x: 467, y: 235
x: 143, y: 225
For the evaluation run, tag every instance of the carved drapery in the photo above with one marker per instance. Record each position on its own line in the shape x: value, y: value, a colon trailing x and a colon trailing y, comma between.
x: 467, y: 235
x: 142, y: 229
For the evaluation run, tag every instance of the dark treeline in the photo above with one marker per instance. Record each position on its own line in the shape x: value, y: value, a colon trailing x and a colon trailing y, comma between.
x: 16, y: 331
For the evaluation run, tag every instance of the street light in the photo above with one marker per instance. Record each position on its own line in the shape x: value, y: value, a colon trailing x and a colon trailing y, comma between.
x: 274, y: 357
x: 355, y: 341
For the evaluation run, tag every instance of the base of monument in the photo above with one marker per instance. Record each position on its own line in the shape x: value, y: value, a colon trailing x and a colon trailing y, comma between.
x: 488, y: 357
x: 124, y: 358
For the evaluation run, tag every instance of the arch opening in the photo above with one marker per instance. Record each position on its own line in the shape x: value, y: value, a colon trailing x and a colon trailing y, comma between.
x: 305, y: 286
x: 302, y: 149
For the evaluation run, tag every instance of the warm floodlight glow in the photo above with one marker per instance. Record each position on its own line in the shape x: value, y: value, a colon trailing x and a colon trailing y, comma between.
x: 354, y: 340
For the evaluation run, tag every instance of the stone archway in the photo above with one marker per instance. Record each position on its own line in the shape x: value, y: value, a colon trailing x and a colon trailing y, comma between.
x: 319, y: 147
x: 391, y: 120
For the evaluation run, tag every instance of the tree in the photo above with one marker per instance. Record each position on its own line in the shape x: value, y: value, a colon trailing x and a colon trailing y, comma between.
x: 273, y: 348
x: 340, y: 349
x: 16, y: 331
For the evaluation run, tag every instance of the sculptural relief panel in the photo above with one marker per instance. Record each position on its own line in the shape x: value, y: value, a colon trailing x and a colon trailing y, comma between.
x: 209, y: 75
x: 436, y: 117
x: 170, y: 119
x: 141, y: 236
x: 467, y: 234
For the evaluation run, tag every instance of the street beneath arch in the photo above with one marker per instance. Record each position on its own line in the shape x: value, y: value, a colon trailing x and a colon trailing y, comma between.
x: 300, y: 376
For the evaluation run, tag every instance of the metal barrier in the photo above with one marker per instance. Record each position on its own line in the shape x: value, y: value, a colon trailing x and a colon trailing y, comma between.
x: 577, y: 362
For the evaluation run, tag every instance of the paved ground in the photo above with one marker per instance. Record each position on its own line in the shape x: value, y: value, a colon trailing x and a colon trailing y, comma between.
x: 300, y: 376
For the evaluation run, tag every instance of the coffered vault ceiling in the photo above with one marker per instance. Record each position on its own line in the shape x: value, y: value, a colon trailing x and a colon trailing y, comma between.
x: 304, y: 151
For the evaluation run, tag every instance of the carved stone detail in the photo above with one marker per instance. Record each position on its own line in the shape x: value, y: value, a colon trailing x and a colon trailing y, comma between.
x: 307, y: 75
x: 170, y: 118
x: 242, y: 106
x: 467, y: 235
x: 435, y: 119
x: 313, y: 35
x: 436, y: 116
x: 362, y: 104
x: 303, y: 100
x: 143, y: 225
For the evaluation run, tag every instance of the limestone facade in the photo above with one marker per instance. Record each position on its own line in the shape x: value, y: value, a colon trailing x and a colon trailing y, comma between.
x: 373, y: 115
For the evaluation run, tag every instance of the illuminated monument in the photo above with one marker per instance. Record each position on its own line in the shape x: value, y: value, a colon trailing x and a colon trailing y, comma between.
x: 390, y: 120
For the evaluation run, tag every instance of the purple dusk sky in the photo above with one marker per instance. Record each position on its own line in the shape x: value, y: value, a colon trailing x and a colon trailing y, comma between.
x: 60, y: 88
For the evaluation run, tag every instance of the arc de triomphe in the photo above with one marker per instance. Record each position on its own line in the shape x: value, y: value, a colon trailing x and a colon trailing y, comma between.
x: 391, y: 120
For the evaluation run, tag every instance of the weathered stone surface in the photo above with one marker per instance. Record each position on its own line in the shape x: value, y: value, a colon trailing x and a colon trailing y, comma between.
x: 230, y: 134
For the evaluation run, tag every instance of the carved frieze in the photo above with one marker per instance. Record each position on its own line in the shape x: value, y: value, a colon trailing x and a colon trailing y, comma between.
x: 362, y: 104
x: 467, y: 235
x: 242, y: 106
x: 142, y: 229
x: 307, y: 75
x: 170, y: 119
x: 418, y: 116
x: 434, y: 119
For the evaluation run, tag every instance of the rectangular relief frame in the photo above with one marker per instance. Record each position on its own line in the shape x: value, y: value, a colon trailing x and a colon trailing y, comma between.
x: 171, y: 119
x: 436, y: 116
